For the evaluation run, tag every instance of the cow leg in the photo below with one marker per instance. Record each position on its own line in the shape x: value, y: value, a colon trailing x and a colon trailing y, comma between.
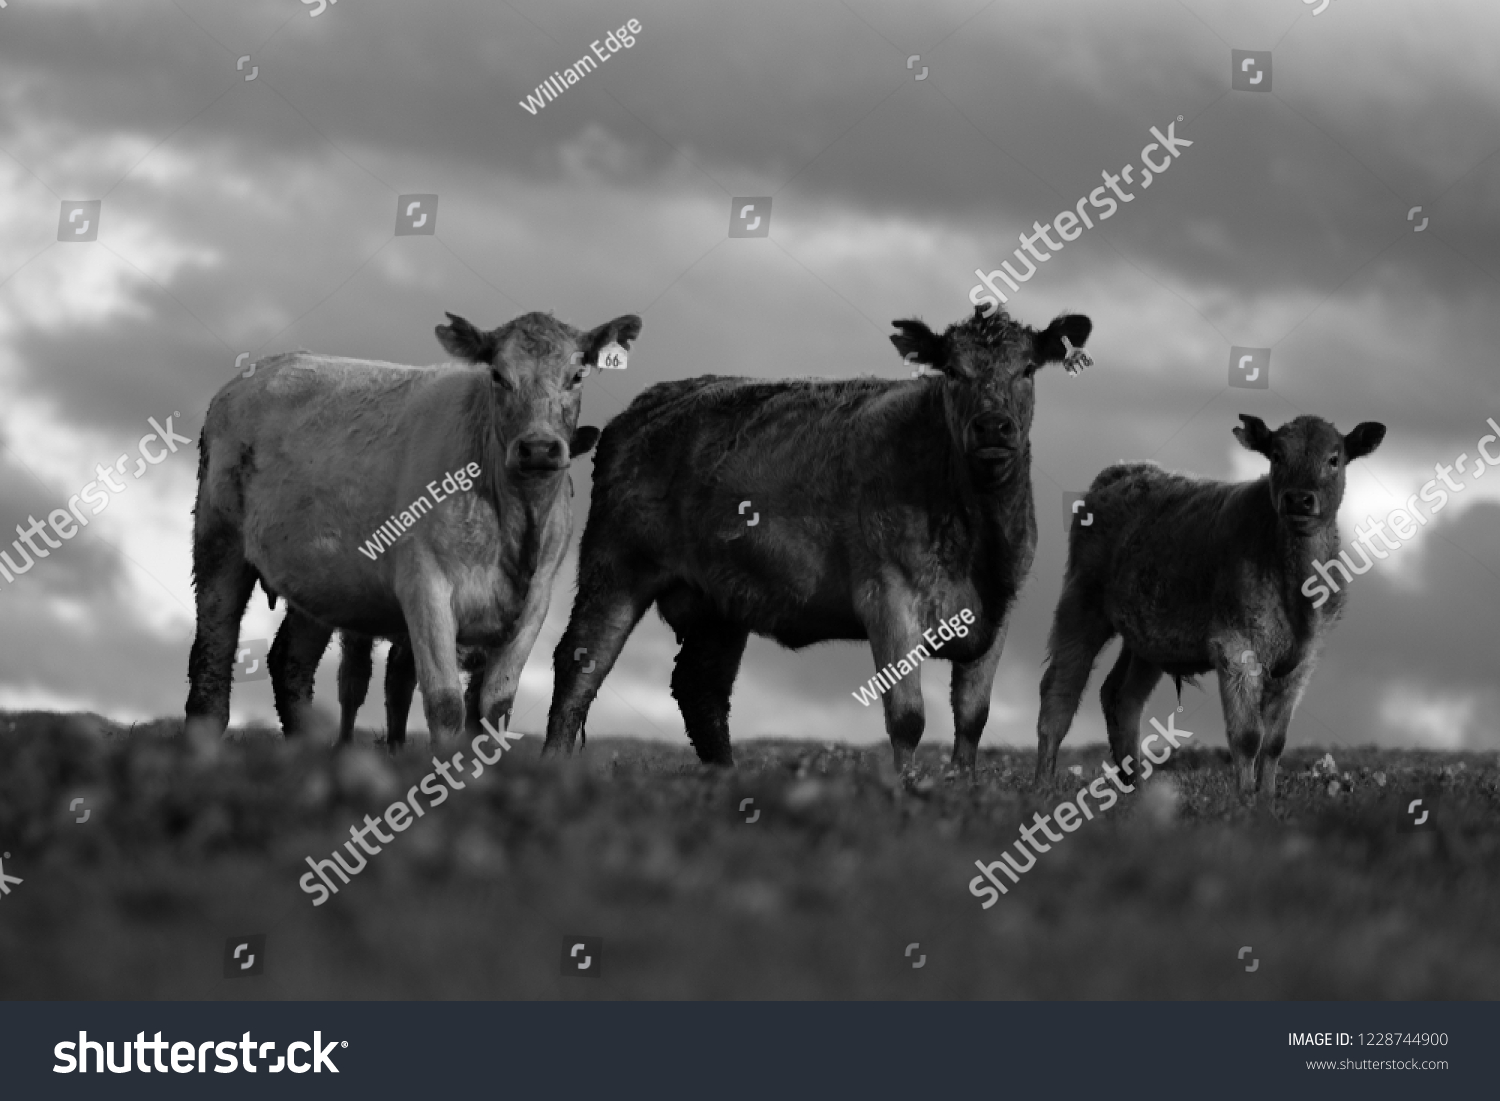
x: 400, y: 683
x: 1135, y: 679
x: 707, y: 665
x: 492, y: 692
x: 1278, y: 702
x: 602, y: 620
x: 293, y: 664
x: 905, y: 715
x: 1079, y: 632
x: 1109, y: 694
x: 354, y: 679
x: 1240, y: 693
x: 972, y: 683
x: 474, y: 696
x: 223, y: 581
x: 702, y: 683
x: 894, y: 632
x: 433, y: 632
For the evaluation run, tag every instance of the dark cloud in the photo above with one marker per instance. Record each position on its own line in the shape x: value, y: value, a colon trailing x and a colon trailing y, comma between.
x: 256, y: 216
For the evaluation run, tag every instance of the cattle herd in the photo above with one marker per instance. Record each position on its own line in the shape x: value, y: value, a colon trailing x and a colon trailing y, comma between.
x: 879, y: 509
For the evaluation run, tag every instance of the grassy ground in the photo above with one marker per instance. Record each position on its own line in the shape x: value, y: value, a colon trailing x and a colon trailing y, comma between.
x: 1335, y: 892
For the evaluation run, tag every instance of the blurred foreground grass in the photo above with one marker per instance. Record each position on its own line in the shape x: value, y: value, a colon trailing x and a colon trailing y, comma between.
x: 1335, y: 892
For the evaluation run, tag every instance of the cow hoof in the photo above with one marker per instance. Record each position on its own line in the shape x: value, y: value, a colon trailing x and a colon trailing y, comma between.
x: 716, y: 758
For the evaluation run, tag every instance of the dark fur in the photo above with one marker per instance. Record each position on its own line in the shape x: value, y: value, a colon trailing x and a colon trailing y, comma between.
x: 1192, y: 574
x: 879, y: 517
x: 356, y: 669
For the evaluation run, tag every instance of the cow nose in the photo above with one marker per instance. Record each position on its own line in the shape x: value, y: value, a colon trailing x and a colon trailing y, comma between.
x: 1299, y: 502
x: 994, y: 430
x: 544, y: 452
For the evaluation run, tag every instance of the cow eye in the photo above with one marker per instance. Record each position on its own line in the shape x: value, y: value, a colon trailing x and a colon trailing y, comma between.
x: 1333, y: 460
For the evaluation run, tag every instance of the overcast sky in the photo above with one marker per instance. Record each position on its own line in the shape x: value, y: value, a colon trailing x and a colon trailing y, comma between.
x: 258, y: 215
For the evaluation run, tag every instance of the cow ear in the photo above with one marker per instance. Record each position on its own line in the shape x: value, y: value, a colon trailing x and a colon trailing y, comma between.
x: 1364, y: 439
x: 1254, y: 434
x: 919, y: 344
x: 622, y: 330
x: 1060, y: 340
x: 584, y: 438
x: 465, y: 342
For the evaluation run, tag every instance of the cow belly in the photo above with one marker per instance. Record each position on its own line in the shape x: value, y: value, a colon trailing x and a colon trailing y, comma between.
x: 790, y: 592
x: 807, y: 626
x: 1164, y: 639
x: 348, y: 598
x: 784, y: 613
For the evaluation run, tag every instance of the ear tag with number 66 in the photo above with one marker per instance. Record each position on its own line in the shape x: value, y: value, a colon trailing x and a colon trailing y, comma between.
x: 611, y: 357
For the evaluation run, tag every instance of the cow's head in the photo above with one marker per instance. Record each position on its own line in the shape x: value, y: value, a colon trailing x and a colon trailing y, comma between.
x: 1308, y: 456
x: 988, y: 364
x: 537, y: 365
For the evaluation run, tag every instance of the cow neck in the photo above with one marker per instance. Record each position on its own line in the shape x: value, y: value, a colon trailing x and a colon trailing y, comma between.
x: 521, y: 519
x: 995, y: 513
x: 1003, y: 508
x: 519, y: 516
x: 1293, y: 555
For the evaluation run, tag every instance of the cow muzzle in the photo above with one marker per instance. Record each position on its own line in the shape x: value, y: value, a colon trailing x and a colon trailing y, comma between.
x: 993, y: 439
x: 540, y: 455
x: 1300, y: 508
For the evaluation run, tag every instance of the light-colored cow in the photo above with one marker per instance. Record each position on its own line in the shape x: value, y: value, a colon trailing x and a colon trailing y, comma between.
x: 303, y: 462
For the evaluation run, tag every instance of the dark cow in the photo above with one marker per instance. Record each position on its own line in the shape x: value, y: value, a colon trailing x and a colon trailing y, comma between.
x: 815, y: 510
x: 304, y: 461
x: 356, y: 668
x: 1196, y: 576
